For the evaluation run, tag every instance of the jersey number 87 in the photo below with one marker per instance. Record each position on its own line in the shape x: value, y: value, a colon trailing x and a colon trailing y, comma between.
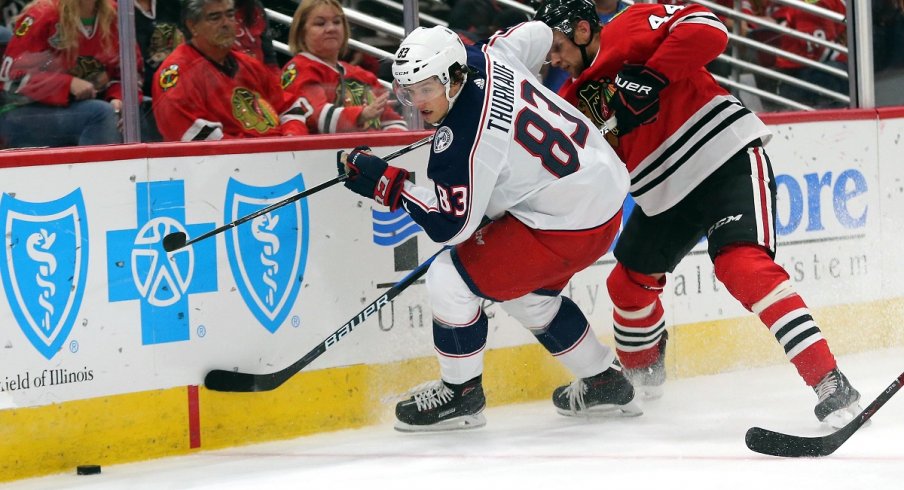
x: 555, y: 149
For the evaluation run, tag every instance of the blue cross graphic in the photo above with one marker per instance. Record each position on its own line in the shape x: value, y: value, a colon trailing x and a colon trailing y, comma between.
x: 138, y: 268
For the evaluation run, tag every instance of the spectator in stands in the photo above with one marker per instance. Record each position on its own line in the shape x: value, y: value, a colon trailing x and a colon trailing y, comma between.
x: 819, y: 27
x: 342, y: 97
x: 157, y: 34
x: 253, y: 35
x: 205, y: 90
x: 63, y: 84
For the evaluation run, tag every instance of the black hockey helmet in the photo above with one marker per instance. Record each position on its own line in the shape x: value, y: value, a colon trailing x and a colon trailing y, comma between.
x: 563, y: 15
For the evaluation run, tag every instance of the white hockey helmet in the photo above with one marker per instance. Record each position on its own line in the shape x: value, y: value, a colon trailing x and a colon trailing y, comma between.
x: 425, y: 53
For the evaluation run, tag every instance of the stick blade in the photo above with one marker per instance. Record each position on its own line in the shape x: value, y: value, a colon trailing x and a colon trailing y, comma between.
x: 765, y: 441
x: 174, y: 241
x: 230, y: 381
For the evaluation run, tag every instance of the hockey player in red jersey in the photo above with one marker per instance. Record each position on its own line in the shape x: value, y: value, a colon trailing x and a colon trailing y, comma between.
x: 204, y: 90
x: 698, y: 169
x: 508, y: 149
x: 343, y: 97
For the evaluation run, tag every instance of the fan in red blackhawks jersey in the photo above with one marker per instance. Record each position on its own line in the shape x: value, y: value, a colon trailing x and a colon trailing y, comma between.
x: 819, y: 27
x: 698, y: 168
x: 343, y: 97
x: 61, y: 76
x: 510, y: 150
x: 205, y: 90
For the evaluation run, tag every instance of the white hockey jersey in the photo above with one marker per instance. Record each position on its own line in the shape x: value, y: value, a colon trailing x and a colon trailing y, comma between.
x: 510, y: 145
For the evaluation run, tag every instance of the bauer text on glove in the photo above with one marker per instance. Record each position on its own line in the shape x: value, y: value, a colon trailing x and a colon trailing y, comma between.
x: 636, y: 99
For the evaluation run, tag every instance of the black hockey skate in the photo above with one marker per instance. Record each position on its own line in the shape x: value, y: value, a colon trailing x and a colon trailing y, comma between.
x: 439, y: 406
x: 648, y: 381
x: 606, y: 394
x: 838, y: 400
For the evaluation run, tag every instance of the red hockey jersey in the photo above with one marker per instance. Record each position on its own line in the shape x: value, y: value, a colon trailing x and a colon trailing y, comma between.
x: 35, y: 67
x: 814, y: 25
x: 699, y: 126
x: 337, y: 95
x: 196, y: 99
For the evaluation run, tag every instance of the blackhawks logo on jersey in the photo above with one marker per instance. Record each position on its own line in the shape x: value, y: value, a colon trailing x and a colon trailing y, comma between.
x: 164, y: 40
x: 353, y: 92
x: 593, y: 101
x: 169, y: 76
x: 24, y: 26
x: 288, y: 75
x: 253, y: 111
x: 91, y: 69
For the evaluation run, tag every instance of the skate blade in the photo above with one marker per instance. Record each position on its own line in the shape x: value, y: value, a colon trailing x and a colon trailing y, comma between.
x: 840, y: 418
x: 630, y: 409
x: 458, y: 423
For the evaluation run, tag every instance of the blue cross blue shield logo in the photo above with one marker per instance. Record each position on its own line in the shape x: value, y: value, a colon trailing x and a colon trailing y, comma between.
x: 267, y: 255
x: 138, y: 268
x: 44, y: 266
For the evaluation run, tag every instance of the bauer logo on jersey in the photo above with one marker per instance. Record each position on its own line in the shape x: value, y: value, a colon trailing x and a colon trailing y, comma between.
x: 169, y: 77
x: 269, y: 254
x: 442, y: 140
x: 288, y: 75
x: 252, y: 111
x: 26, y: 24
x: 44, y: 266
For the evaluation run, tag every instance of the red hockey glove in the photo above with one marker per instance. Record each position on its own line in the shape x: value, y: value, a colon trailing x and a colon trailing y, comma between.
x: 636, y: 100
x: 371, y: 177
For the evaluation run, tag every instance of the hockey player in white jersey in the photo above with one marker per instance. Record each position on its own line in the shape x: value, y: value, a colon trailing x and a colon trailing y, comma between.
x: 509, y: 150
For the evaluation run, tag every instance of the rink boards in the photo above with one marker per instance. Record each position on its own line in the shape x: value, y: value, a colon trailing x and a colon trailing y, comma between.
x: 105, y: 338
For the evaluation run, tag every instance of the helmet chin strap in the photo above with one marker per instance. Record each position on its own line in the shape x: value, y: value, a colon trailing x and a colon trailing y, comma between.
x: 583, y: 47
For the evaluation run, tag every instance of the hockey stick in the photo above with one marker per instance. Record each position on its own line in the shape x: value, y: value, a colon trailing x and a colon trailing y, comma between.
x: 235, y: 381
x: 177, y: 240
x: 785, y: 445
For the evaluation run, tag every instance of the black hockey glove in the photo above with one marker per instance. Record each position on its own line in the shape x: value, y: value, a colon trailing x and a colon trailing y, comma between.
x: 371, y: 177
x: 636, y: 99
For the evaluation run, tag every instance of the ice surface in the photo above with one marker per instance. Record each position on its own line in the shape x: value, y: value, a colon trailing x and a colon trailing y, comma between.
x: 692, y: 438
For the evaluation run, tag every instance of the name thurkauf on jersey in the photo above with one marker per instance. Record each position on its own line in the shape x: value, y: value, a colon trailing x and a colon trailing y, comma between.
x: 502, y: 98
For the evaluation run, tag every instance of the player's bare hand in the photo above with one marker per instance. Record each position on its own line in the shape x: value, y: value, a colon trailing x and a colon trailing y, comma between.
x: 82, y: 89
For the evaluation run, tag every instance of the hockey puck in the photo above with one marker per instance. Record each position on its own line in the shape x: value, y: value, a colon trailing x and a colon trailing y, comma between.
x: 88, y: 469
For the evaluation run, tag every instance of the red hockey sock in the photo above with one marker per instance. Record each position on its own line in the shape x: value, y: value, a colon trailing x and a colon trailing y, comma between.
x: 790, y: 321
x: 638, y: 316
x: 762, y: 286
